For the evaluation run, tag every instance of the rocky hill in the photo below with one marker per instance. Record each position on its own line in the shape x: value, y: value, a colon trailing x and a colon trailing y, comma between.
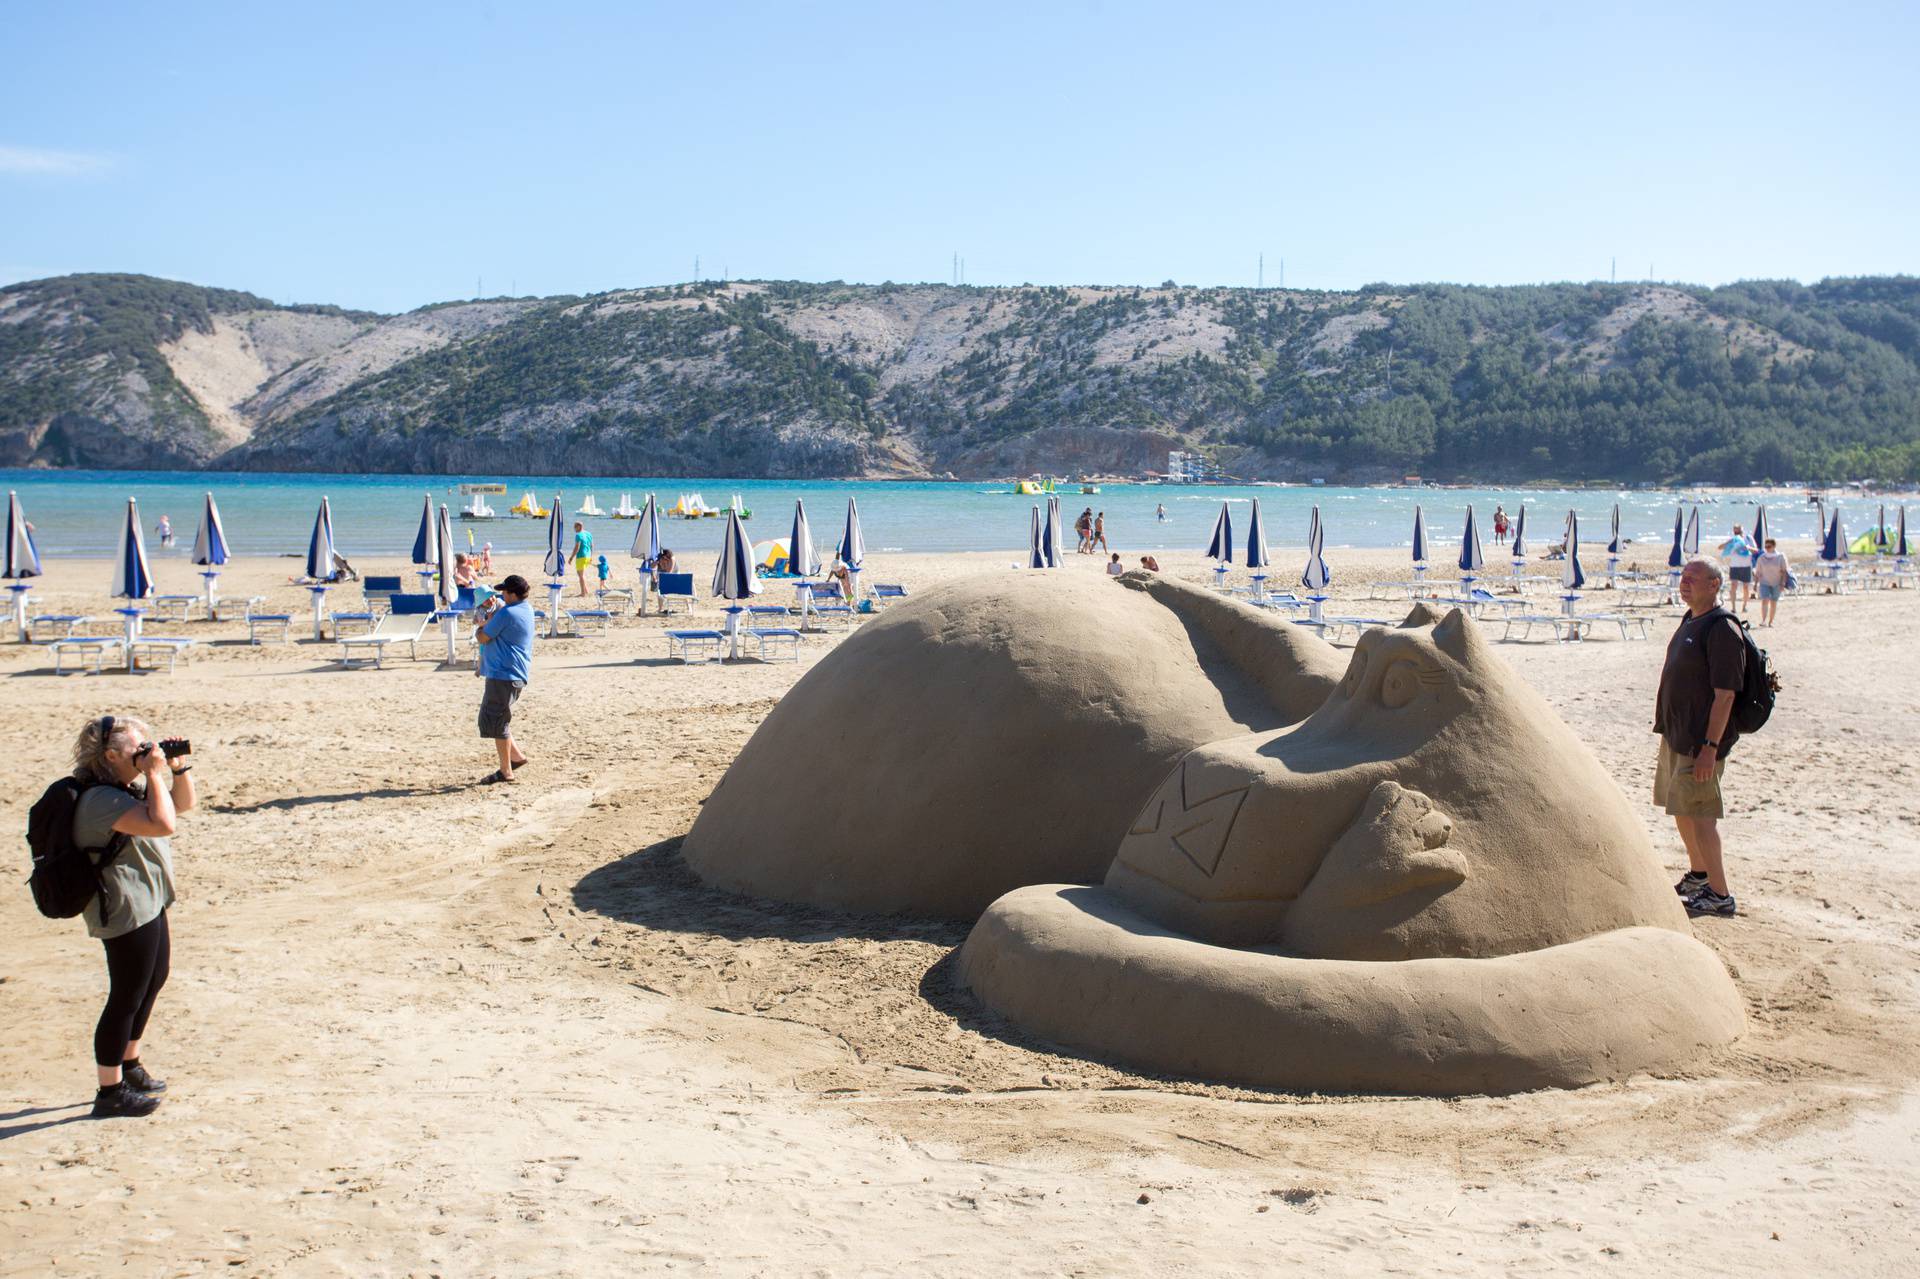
x: 1565, y: 381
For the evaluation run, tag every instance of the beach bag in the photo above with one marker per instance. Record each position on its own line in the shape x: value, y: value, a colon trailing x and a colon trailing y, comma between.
x: 1753, y: 704
x: 65, y: 877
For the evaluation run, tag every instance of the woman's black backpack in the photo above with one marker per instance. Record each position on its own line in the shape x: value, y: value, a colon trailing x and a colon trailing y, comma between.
x: 65, y: 876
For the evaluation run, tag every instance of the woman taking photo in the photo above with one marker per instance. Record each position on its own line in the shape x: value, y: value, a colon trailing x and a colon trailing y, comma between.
x: 138, y: 791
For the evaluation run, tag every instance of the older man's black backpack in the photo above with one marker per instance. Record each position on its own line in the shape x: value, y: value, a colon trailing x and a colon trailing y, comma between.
x: 65, y: 876
x: 1753, y: 704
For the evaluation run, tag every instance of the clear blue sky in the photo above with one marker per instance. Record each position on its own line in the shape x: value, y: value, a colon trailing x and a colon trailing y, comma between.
x: 387, y: 155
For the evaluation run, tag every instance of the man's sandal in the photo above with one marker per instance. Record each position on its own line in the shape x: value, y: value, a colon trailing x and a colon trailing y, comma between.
x: 495, y: 776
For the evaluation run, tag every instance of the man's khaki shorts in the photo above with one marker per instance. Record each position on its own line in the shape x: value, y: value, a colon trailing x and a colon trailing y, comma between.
x: 1675, y: 790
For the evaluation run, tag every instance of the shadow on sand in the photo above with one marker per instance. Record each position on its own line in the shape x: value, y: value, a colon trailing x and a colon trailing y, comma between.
x: 9, y: 1129
x: 344, y: 797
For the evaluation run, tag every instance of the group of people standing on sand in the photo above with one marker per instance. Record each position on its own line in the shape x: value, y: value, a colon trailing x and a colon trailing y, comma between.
x: 1092, y: 529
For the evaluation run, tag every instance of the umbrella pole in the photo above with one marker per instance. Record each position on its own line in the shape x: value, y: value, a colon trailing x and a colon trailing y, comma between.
x: 450, y: 624
x: 213, y: 590
x: 554, y: 591
x: 646, y: 582
x: 319, y: 602
x: 20, y: 590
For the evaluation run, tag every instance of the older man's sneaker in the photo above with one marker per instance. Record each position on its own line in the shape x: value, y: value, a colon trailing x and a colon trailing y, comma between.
x: 122, y: 1102
x: 135, y: 1076
x: 1691, y: 882
x: 1708, y: 902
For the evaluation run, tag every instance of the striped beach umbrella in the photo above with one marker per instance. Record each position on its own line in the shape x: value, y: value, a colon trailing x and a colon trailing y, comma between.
x: 1760, y: 526
x: 555, y: 563
x: 426, y: 541
x: 210, y: 547
x: 801, y: 559
x: 1900, y: 538
x: 1519, y: 551
x: 646, y: 535
x: 1819, y: 517
x: 733, y: 576
x: 1050, y: 534
x: 1419, y: 537
x: 1572, y: 576
x: 1257, y: 556
x: 1678, y: 555
x: 1880, y: 539
x: 320, y: 549
x: 445, y: 589
x: 1220, y: 547
x: 1613, y: 542
x: 132, y: 575
x: 20, y: 557
x: 1036, y: 553
x: 1472, y: 558
x: 1833, y: 547
x: 1316, y: 576
x: 1691, y: 543
x: 853, y: 546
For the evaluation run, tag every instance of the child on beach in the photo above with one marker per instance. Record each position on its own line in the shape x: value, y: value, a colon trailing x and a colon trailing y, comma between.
x: 604, y: 570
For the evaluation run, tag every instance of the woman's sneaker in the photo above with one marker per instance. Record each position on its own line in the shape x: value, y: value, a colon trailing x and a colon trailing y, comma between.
x: 122, y: 1102
x: 1708, y: 902
x: 135, y: 1076
x: 1690, y: 883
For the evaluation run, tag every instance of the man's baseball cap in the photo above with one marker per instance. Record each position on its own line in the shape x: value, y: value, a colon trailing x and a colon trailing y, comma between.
x: 514, y: 584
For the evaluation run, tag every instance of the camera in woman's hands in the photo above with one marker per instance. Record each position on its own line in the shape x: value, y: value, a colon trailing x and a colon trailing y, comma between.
x: 175, y: 747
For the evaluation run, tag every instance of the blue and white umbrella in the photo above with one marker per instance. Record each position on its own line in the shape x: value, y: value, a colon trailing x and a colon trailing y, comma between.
x: 1691, y: 543
x: 1880, y: 539
x: 1257, y: 556
x: 1316, y: 576
x: 1572, y: 576
x: 426, y: 546
x: 1221, y: 546
x: 646, y: 546
x: 801, y: 559
x: 1678, y: 555
x: 555, y: 563
x: 1760, y: 527
x: 210, y: 549
x: 21, y: 557
x: 1900, y: 540
x: 1050, y: 534
x: 320, y: 548
x: 852, y: 549
x: 1613, y: 541
x: 1036, y: 552
x: 1472, y: 558
x: 733, y: 575
x: 1519, y: 551
x: 1833, y: 547
x: 132, y: 576
x: 1419, y: 538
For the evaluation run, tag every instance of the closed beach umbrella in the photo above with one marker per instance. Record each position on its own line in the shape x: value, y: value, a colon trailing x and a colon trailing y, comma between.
x: 801, y: 560
x: 1419, y: 537
x: 1691, y: 544
x: 646, y: 546
x: 1880, y: 541
x: 21, y: 557
x: 426, y: 539
x: 1519, y: 551
x: 733, y: 576
x: 1833, y: 548
x: 210, y: 549
x: 1050, y: 534
x: 1678, y: 555
x: 853, y: 546
x: 445, y: 589
x: 1900, y: 539
x: 1316, y: 576
x: 1572, y: 576
x: 555, y: 563
x: 1257, y: 556
x: 1472, y: 558
x: 320, y: 549
x: 1036, y: 553
x: 1613, y: 543
x: 1221, y: 546
x: 132, y: 576
x: 1760, y: 526
x: 1819, y: 517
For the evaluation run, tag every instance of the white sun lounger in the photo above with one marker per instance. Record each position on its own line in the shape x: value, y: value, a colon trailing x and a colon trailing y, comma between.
x: 65, y: 623
x: 175, y: 608
x: 84, y: 648
x: 1564, y: 626
x: 394, y: 628
x: 589, y: 621
x: 695, y: 646
x: 155, y: 649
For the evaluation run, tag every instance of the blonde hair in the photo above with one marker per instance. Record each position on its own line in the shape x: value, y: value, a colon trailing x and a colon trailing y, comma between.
x: 90, y: 748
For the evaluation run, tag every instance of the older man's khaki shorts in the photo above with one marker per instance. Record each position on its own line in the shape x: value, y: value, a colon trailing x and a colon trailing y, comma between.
x: 1675, y: 790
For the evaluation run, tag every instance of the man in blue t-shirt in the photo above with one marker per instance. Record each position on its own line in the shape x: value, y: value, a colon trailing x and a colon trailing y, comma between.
x: 505, y: 635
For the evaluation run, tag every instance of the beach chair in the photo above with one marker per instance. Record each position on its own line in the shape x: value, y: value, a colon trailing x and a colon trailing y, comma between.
x: 394, y: 628
x: 357, y: 623
x: 766, y: 614
x: 42, y: 626
x: 1332, y: 628
x: 175, y: 608
x: 1632, y: 626
x: 82, y: 648
x: 258, y: 622
x: 610, y: 596
x: 780, y: 637
x: 695, y: 646
x: 154, y: 650
x: 884, y: 592
x: 227, y: 605
x: 379, y: 593
x: 589, y: 621
x: 675, y: 586
x: 1564, y: 626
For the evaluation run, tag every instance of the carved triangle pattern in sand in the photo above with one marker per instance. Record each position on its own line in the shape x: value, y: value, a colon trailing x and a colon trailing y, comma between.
x: 1200, y: 828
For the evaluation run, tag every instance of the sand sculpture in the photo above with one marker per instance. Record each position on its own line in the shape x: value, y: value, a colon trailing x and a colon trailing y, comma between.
x: 1428, y: 885
x: 991, y: 735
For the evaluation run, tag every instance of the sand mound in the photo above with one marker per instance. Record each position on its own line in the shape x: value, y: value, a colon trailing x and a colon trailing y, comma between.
x: 1428, y: 885
x: 993, y: 734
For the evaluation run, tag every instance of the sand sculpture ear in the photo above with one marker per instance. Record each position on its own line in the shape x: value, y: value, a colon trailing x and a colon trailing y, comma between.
x: 1396, y: 846
x: 1451, y: 635
x: 1421, y: 614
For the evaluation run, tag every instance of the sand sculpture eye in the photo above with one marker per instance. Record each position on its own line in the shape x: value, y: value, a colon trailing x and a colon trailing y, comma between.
x: 1356, y: 673
x: 1400, y: 684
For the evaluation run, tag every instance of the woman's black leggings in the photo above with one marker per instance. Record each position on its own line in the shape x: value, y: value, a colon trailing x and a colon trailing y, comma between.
x: 137, y: 964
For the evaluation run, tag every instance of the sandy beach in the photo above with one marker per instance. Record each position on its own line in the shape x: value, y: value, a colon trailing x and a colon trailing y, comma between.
x: 420, y: 1026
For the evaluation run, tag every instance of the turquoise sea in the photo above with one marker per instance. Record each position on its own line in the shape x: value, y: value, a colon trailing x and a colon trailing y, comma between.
x: 77, y: 513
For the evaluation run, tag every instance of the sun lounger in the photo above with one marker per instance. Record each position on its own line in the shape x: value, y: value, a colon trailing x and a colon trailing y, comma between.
x: 1563, y: 625
x: 1334, y: 627
x: 82, y: 648
x: 842, y: 613
x: 696, y: 646
x: 175, y: 608
x: 345, y: 624
x: 227, y: 605
x: 394, y: 628
x: 154, y: 650
x: 258, y: 622
x: 885, y: 591
x: 379, y: 593
x: 1632, y: 626
x: 778, y: 636
x: 65, y: 623
x: 540, y: 626
x: 609, y: 596
x: 775, y: 613
x: 675, y: 586
x: 589, y: 621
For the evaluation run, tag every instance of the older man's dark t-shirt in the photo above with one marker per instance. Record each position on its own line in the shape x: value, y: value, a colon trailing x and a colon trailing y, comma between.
x: 1706, y: 653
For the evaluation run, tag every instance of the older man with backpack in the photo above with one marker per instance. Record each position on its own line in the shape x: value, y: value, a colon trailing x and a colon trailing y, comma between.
x: 1715, y: 685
